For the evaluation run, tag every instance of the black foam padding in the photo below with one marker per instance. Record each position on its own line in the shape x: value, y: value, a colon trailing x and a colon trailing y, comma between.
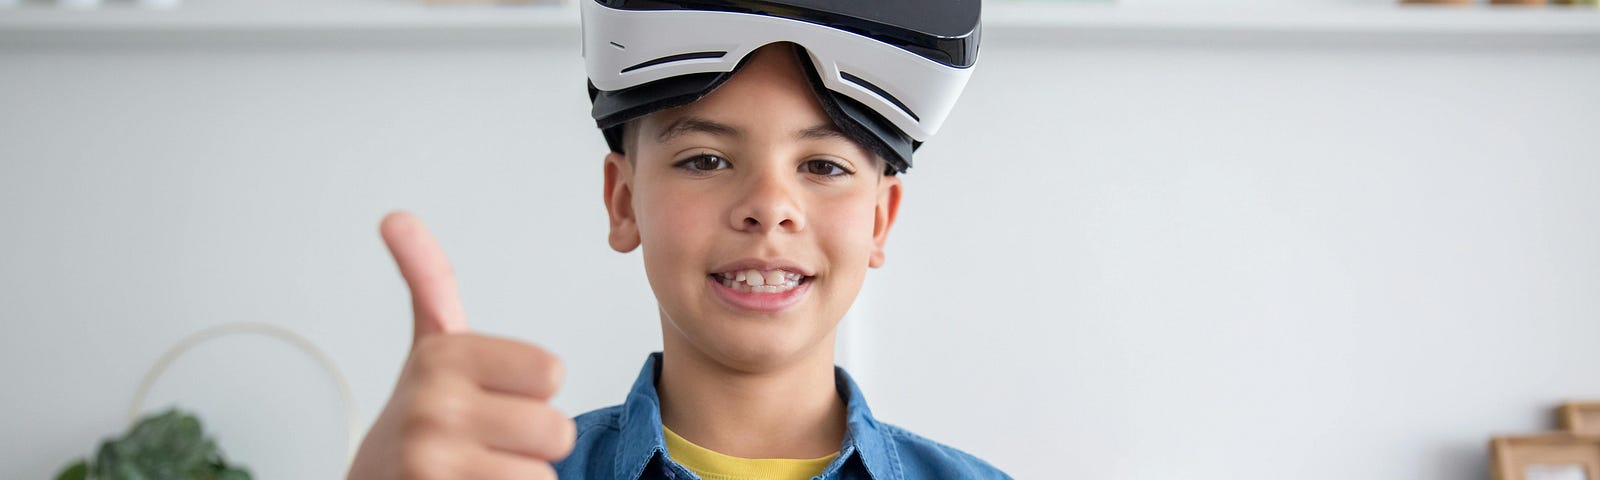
x: 860, y: 123
x: 612, y: 109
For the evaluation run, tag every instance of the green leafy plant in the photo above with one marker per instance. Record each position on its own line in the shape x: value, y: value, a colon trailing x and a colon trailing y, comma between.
x: 166, y: 446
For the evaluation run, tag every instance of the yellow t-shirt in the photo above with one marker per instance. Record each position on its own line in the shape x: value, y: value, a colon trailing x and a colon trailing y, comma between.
x: 711, y: 465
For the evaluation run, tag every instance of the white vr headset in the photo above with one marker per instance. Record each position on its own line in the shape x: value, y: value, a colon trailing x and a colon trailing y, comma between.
x: 906, y: 62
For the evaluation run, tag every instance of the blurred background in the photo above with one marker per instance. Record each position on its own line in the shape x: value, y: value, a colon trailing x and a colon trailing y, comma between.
x: 1214, y: 239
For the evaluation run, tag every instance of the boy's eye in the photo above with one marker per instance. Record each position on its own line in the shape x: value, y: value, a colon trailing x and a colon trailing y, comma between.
x: 825, y: 168
x: 703, y: 163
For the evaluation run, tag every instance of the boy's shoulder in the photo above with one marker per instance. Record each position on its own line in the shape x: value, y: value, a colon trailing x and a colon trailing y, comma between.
x: 594, y: 451
x: 599, y: 418
x: 921, y: 457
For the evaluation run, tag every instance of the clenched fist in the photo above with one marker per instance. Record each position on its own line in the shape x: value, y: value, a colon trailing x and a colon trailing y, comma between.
x: 466, y: 406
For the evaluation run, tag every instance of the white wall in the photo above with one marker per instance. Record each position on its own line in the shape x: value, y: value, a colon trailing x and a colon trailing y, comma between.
x: 1249, y: 262
x: 1123, y: 259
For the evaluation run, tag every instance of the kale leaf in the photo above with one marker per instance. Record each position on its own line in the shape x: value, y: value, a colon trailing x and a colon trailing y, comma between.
x: 166, y: 446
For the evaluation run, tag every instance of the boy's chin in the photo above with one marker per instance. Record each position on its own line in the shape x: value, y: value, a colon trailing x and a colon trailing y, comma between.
x: 756, y: 348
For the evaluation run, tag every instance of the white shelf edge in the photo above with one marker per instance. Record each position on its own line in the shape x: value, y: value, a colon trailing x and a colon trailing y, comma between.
x: 333, y: 25
x: 33, y: 23
x: 1328, y: 19
x: 363, y: 16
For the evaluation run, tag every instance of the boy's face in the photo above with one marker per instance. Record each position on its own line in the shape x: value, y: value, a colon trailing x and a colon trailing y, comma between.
x: 754, y: 176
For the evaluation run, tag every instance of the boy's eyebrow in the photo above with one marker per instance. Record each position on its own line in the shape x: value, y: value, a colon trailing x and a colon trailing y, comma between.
x: 704, y: 125
x: 819, y: 132
x: 696, y: 124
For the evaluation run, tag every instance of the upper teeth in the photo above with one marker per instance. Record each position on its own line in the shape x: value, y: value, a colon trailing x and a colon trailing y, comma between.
x: 756, y: 278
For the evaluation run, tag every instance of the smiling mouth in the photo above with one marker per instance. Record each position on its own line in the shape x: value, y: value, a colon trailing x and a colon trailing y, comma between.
x: 757, y: 281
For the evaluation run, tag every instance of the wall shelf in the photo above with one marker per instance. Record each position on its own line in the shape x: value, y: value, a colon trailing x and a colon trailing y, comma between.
x: 34, y: 23
x: 1329, y: 24
x: 334, y: 22
x: 1349, y: 19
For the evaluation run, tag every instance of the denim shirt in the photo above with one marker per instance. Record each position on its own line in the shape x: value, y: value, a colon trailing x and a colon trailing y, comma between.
x: 624, y: 442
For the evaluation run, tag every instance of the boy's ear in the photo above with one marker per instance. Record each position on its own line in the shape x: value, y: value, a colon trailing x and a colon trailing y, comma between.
x: 619, y: 203
x: 888, y: 206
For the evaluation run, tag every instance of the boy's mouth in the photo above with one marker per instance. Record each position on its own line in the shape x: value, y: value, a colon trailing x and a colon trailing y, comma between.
x: 760, y: 281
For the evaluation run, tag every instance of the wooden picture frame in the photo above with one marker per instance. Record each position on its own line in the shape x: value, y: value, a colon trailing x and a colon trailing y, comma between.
x: 1582, y: 418
x: 1550, y: 456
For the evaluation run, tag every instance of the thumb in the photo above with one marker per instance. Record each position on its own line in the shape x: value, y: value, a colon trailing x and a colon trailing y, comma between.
x: 435, y: 303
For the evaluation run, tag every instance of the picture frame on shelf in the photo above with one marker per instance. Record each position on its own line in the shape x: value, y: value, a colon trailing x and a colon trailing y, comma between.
x: 1582, y: 418
x: 1549, y: 456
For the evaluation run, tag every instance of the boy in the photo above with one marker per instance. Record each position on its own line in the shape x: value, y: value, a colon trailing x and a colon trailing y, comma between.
x: 759, y: 204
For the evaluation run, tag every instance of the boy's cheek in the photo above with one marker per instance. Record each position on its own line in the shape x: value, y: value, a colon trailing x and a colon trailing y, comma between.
x: 673, y: 220
x: 856, y: 227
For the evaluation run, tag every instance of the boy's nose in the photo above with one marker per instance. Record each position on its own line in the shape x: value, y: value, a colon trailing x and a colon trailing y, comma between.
x: 769, y: 205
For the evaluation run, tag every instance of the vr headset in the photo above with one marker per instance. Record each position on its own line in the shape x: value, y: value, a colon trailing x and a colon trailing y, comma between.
x: 886, y: 71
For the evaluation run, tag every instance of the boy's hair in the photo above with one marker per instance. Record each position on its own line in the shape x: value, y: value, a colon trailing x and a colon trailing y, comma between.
x: 630, y: 138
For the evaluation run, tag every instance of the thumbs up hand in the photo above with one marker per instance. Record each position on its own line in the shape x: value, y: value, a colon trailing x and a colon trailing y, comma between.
x: 466, y: 406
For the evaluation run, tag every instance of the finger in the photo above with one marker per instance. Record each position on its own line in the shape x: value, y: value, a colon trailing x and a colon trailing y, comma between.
x: 523, y: 426
x: 495, y: 364
x: 494, y: 465
x: 435, y: 303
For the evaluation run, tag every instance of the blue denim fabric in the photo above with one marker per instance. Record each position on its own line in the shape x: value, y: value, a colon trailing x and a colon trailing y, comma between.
x: 625, y: 442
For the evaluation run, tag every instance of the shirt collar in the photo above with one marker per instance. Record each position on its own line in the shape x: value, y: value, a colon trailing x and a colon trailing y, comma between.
x: 863, y: 434
x: 641, y: 437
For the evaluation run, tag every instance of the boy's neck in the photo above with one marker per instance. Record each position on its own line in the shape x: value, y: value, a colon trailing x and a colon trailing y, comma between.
x: 789, y: 412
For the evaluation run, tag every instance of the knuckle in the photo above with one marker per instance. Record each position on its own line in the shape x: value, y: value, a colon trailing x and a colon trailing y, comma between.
x: 436, y: 355
x: 436, y: 411
x: 417, y: 425
x: 423, y: 459
x: 450, y: 411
